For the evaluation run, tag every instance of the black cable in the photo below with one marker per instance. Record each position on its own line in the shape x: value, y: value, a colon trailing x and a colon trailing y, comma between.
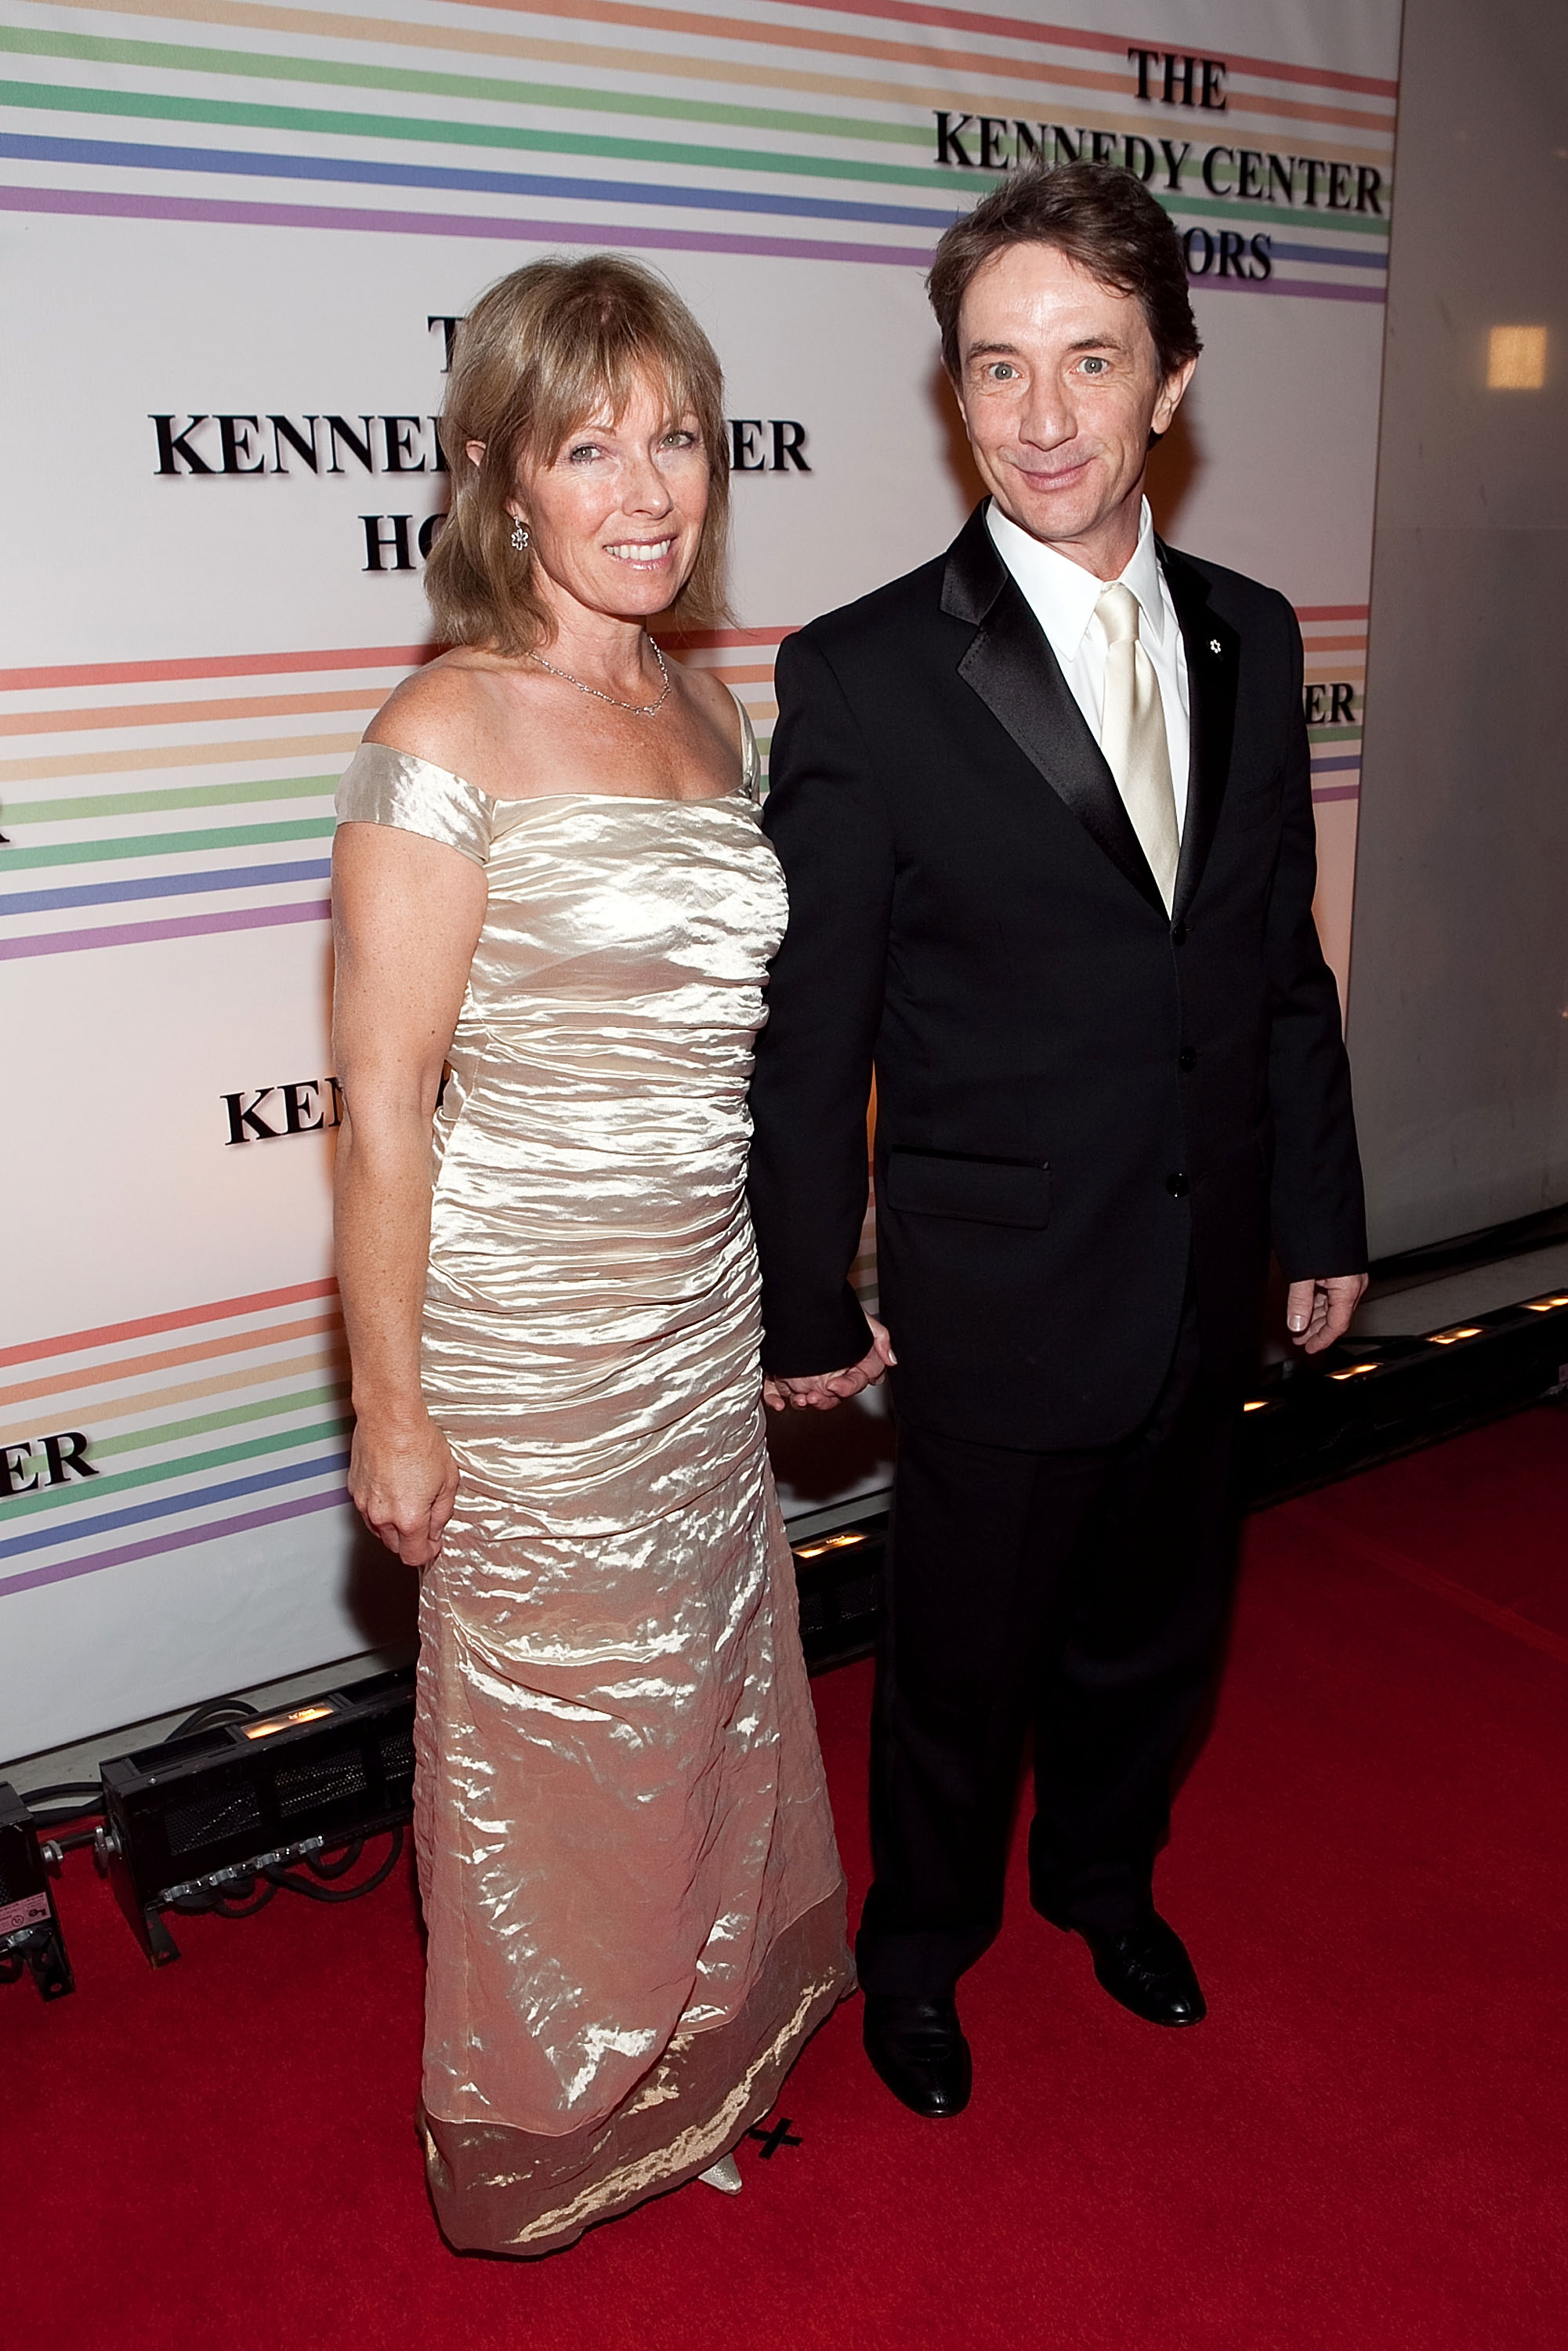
x: 216, y: 1712
x: 261, y: 1887
x: 49, y: 1821
x: 246, y: 1905
x: 69, y: 1798
x: 321, y: 1865
x: 242, y: 1900
x: 291, y: 1883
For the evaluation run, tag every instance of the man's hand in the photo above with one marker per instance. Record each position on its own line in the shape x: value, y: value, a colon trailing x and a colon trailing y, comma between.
x: 1318, y: 1311
x: 820, y: 1391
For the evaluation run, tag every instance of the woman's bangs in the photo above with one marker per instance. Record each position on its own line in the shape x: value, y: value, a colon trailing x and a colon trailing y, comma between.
x: 608, y: 379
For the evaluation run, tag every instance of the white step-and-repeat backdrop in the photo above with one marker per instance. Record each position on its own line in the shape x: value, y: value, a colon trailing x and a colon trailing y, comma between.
x: 235, y: 238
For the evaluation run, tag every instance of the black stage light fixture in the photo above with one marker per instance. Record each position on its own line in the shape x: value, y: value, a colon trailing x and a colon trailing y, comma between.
x: 1370, y: 1400
x: 30, y: 1933
x: 191, y: 1822
x: 1305, y: 1423
x: 838, y: 1572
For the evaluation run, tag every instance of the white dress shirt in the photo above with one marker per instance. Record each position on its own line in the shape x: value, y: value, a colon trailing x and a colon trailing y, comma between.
x: 1062, y: 596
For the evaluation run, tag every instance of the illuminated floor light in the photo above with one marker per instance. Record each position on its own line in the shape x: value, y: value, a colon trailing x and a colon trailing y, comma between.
x: 1355, y: 1371
x: 829, y: 1543
x: 274, y: 1723
x: 1546, y: 1305
x: 1449, y: 1338
x: 1516, y: 358
x: 186, y: 1822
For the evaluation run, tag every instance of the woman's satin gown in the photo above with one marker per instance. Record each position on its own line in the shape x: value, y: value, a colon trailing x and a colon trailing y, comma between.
x: 634, y: 1897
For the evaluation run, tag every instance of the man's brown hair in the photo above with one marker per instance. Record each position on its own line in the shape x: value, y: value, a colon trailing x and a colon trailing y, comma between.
x: 1099, y: 216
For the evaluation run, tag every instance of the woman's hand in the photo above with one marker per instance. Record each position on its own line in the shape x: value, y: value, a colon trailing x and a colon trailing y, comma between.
x: 402, y: 1481
x: 821, y: 1391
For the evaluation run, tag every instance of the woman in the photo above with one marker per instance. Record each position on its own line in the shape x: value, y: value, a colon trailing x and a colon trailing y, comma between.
x: 550, y: 879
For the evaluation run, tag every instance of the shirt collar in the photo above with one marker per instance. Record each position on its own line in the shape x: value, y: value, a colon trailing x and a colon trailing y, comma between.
x: 1143, y: 577
x: 1063, y: 595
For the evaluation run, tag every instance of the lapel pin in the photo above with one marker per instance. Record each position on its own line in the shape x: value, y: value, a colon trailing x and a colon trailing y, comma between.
x: 1215, y: 646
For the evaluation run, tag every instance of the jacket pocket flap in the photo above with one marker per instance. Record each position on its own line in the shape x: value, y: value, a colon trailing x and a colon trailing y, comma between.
x: 987, y: 1191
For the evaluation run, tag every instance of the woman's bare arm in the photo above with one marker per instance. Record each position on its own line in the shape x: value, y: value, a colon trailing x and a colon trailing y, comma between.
x: 406, y: 917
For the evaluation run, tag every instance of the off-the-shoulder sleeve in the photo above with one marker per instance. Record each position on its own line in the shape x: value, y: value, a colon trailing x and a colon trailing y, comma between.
x: 750, y: 757
x: 381, y: 786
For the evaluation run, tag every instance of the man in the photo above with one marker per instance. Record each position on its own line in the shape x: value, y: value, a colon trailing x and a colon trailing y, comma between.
x: 1045, y: 813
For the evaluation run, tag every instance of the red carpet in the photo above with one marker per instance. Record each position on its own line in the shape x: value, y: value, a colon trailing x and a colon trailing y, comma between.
x: 1364, y: 2147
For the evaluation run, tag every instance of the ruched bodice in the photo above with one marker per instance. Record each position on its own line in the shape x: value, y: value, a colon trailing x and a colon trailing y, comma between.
x: 626, y: 1858
x: 590, y: 1142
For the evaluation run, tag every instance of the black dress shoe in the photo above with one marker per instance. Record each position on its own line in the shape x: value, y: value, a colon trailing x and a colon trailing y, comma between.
x: 1148, y: 1970
x: 918, y: 2048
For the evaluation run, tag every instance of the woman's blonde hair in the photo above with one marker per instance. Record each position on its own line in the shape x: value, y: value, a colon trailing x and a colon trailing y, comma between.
x: 533, y: 359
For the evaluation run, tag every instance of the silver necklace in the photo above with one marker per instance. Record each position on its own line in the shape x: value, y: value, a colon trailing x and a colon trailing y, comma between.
x: 638, y: 709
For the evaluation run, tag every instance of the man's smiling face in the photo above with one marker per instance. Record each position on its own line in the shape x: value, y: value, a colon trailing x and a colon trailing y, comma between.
x: 1059, y: 384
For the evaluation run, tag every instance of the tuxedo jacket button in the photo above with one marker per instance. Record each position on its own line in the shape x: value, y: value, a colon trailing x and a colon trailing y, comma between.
x: 1177, y: 1186
x: 1186, y: 1059
x: 1179, y: 935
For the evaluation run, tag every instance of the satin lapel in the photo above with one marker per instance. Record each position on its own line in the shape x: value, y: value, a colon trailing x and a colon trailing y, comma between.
x: 1010, y: 665
x: 1213, y: 668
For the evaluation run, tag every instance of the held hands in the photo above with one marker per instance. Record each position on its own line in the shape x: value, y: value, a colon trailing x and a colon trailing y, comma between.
x: 1317, y: 1313
x: 820, y: 1391
x: 402, y: 1481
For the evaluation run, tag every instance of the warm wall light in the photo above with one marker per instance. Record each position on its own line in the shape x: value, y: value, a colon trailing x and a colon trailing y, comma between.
x: 1516, y: 358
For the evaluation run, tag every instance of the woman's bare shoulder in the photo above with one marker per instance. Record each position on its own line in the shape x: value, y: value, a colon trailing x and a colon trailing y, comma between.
x: 708, y: 691
x: 442, y: 712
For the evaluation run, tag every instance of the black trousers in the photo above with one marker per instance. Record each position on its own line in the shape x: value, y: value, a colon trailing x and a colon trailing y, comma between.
x: 1081, y: 1594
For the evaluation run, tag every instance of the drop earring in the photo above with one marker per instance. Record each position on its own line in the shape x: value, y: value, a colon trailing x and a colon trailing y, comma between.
x: 521, y: 535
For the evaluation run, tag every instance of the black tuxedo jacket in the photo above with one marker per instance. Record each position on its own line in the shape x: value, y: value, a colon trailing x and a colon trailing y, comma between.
x: 1078, y: 1098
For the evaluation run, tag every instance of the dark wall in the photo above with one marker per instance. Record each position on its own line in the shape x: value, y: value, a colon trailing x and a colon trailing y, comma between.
x: 1458, y: 994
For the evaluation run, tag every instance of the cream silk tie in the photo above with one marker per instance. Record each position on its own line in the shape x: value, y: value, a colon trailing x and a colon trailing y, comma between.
x: 1133, y: 736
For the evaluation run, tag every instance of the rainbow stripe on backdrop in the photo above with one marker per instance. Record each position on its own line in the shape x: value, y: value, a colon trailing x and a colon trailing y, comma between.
x: 1334, y: 637
x: 209, y: 1421
x: 206, y: 1422
x: 258, y: 1433
x: 603, y: 122
x: 108, y: 844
